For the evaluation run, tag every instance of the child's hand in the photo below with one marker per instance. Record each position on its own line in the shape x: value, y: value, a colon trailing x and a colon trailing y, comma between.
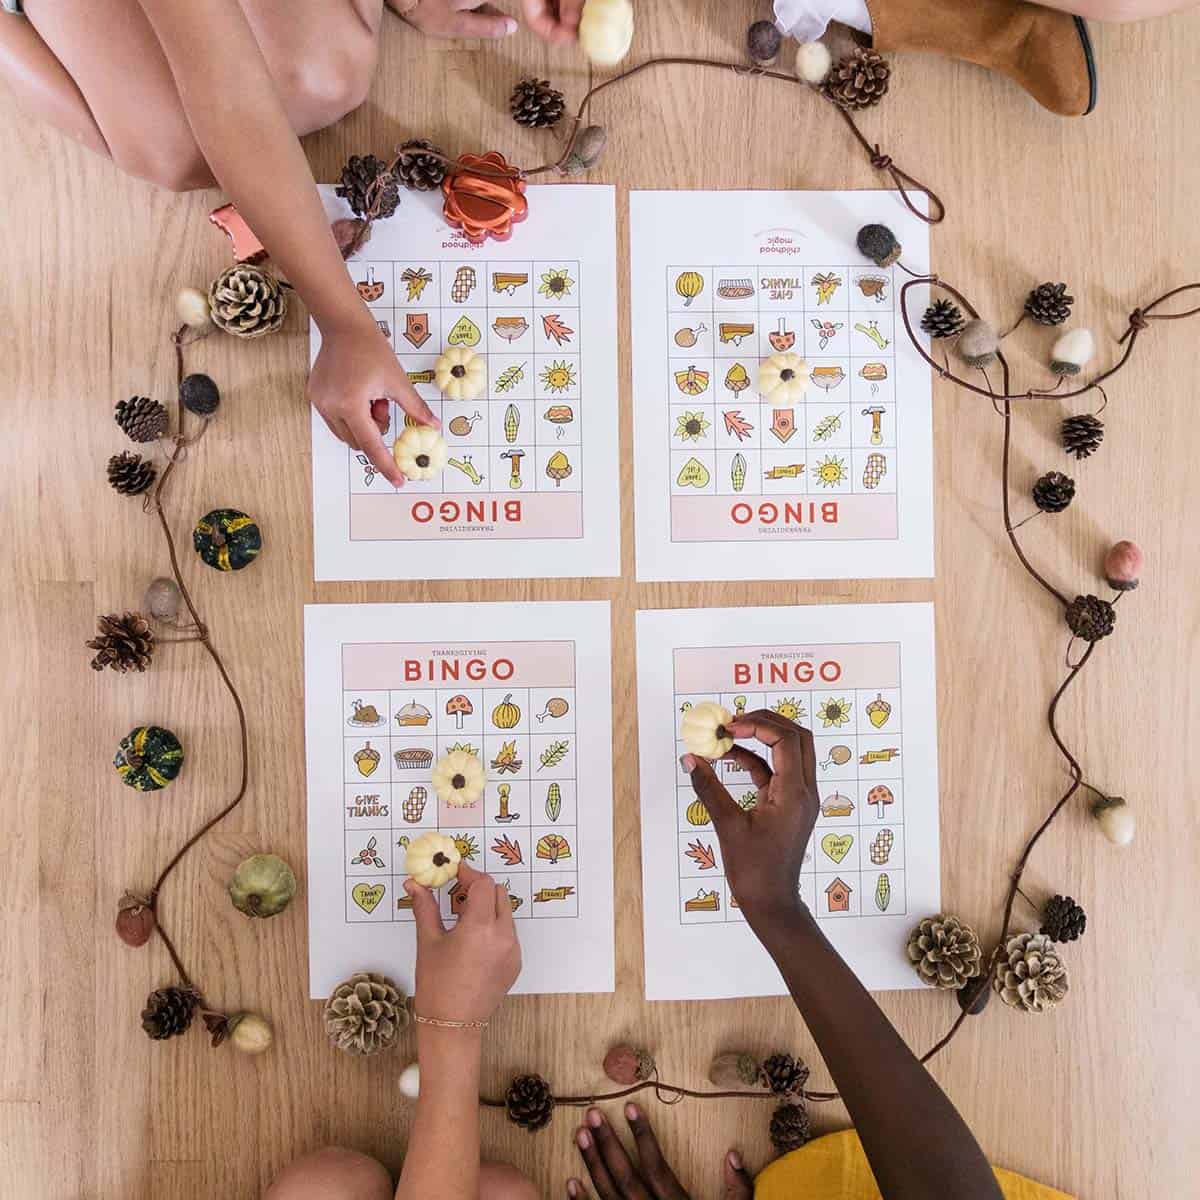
x: 764, y: 848
x: 464, y: 973
x: 454, y: 18
x: 354, y: 376
x: 553, y: 20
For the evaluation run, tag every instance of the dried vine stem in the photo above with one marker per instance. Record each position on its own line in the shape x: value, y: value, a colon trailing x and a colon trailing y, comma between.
x: 673, y: 1090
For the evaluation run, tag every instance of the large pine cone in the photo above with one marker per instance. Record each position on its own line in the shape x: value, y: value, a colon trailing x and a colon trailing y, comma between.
x: 1053, y: 492
x: 365, y: 1013
x: 530, y: 1102
x: 124, y: 643
x: 142, y: 419
x: 784, y: 1075
x: 420, y: 171
x: 536, y: 104
x: 1082, y: 435
x: 130, y: 474
x: 1089, y: 618
x: 168, y: 1012
x: 943, y: 319
x: 247, y: 301
x: 1049, y: 304
x: 859, y: 80
x: 789, y: 1128
x: 1031, y: 977
x: 1062, y: 919
x: 944, y: 952
x: 368, y: 187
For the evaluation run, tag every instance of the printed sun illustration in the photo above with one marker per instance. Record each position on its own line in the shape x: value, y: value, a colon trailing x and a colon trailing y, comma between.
x: 830, y: 471
x: 834, y: 713
x: 466, y: 846
x: 556, y: 283
x: 691, y: 426
x: 792, y: 709
x: 558, y: 376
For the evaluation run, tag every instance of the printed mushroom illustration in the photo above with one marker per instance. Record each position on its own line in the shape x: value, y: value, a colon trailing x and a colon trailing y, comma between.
x: 880, y: 796
x: 459, y: 707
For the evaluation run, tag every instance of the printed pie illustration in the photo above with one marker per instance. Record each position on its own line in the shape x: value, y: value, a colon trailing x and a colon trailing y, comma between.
x: 703, y: 902
x: 415, y: 757
x: 509, y: 328
x: 413, y: 714
x: 559, y: 414
x: 874, y: 371
x: 837, y: 805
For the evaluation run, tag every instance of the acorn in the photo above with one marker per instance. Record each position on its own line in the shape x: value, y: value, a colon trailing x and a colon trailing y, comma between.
x: 813, y: 62
x: 626, y: 1065
x: 199, y: 394
x: 135, y: 920
x: 1123, y: 566
x: 410, y: 1081
x: 250, y: 1033
x: 586, y: 150
x: 977, y: 343
x: 191, y: 307
x: 762, y: 43
x: 262, y: 886
x: 1072, y: 351
x: 735, y: 1070
x: 163, y: 599
x: 879, y: 244
x: 1116, y: 820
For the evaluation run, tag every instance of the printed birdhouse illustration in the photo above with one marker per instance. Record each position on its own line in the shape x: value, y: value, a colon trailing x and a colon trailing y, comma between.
x: 837, y: 896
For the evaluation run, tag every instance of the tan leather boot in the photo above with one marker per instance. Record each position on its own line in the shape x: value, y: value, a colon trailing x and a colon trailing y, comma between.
x: 1046, y: 51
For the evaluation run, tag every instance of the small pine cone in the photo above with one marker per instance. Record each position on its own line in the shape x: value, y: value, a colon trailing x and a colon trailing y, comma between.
x: 1089, y: 618
x: 859, y: 80
x: 1063, y: 920
x: 944, y: 952
x: 1081, y: 436
x: 1030, y: 976
x: 536, y: 104
x: 141, y: 419
x: 365, y: 1013
x: 168, y: 1012
x: 789, y: 1128
x: 130, y: 474
x: 784, y: 1075
x: 530, y: 1102
x: 419, y: 171
x: 247, y: 301
x: 123, y: 643
x: 368, y: 187
x: 1049, y: 304
x: 1053, y: 492
x: 943, y: 319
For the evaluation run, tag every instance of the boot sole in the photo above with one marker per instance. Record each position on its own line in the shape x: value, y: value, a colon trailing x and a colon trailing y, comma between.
x: 1090, y: 59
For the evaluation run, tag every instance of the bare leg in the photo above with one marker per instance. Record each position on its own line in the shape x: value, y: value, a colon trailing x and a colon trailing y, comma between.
x: 1118, y: 10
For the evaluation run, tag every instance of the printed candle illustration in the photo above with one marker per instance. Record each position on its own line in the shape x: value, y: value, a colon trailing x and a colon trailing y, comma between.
x: 551, y: 847
x: 459, y: 707
x: 366, y: 759
x: 558, y: 467
x: 514, y: 457
x: 879, y: 797
x: 504, y: 793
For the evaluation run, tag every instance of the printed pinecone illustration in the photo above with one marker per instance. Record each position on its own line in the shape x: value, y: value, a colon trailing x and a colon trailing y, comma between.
x: 530, y: 1102
x: 140, y: 418
x: 418, y: 170
x: 365, y: 1013
x: 1030, y: 976
x: 859, y: 80
x: 124, y: 643
x: 168, y: 1012
x: 944, y: 952
x: 1089, y: 618
x: 1049, y: 304
x: 536, y: 104
x: 789, y: 1128
x: 784, y: 1075
x: 368, y: 187
x: 247, y: 301
x: 1053, y: 492
x: 943, y: 319
x: 1063, y: 920
x: 1082, y: 435
x: 130, y: 474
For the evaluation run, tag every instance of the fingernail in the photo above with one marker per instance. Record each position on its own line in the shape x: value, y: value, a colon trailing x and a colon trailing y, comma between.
x: 510, y: 26
x: 572, y: 1188
x: 632, y: 1112
x: 735, y: 1160
x: 595, y: 1118
x: 688, y: 763
x: 584, y: 1139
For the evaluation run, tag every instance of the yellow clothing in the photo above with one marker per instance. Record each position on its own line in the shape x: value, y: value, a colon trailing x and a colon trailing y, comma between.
x: 834, y: 1167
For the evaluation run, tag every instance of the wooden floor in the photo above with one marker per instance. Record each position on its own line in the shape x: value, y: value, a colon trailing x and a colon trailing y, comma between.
x: 1092, y: 1099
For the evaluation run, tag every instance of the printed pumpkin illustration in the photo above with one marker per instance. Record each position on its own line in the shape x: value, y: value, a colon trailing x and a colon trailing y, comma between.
x: 703, y: 729
x: 420, y: 452
x: 226, y: 539
x: 148, y: 758
x: 432, y: 859
x: 506, y: 714
x: 460, y: 373
x: 697, y: 813
x: 689, y: 285
x: 458, y: 779
x: 783, y: 377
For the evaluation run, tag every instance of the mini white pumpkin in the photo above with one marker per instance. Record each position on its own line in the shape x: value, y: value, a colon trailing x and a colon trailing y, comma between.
x: 458, y: 779
x: 432, y: 859
x: 700, y: 726
x: 783, y: 377
x: 460, y: 373
x: 420, y: 452
x: 606, y: 31
x: 410, y: 1081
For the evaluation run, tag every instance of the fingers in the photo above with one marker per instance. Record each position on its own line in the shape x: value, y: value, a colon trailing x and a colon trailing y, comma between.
x: 370, y: 442
x: 504, y: 908
x: 380, y: 414
x: 549, y: 26
x: 576, y: 1190
x: 425, y: 911
x: 651, y: 1163
x: 785, y: 738
x: 613, y: 1160
x: 720, y: 804
x: 602, y: 1181
x: 760, y: 773
x: 479, y: 908
x: 738, y: 1184
x: 482, y: 21
x: 409, y: 400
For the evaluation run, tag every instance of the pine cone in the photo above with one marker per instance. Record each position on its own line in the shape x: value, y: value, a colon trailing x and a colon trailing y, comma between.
x: 789, y: 1128
x: 1049, y: 304
x: 141, y: 419
x: 1081, y: 436
x: 859, y: 80
x: 130, y: 474
x: 536, y: 104
x: 1090, y: 618
x: 417, y: 171
x: 944, y: 952
x: 530, y: 1102
x: 365, y: 1013
x: 168, y: 1012
x: 943, y: 319
x: 784, y: 1075
x: 247, y: 301
x: 368, y: 187
x: 1030, y: 976
x: 1053, y: 492
x: 1063, y: 920
x: 124, y: 643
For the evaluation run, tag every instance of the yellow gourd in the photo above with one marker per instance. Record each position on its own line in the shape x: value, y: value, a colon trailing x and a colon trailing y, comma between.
x: 458, y: 779
x: 783, y: 377
x: 460, y: 373
x: 432, y: 859
x: 420, y: 452
x: 700, y: 726
x: 506, y: 714
x: 697, y: 814
x: 606, y: 30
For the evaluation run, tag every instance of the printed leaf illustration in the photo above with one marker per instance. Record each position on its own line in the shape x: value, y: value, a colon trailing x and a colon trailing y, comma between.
x: 508, y: 850
x: 827, y: 427
x: 554, y: 327
x: 736, y: 424
x: 702, y: 855
x: 510, y: 377
x: 554, y: 754
x: 553, y: 801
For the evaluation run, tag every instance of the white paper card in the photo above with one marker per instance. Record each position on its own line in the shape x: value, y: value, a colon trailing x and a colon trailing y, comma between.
x: 833, y: 483
x: 531, y: 489
x: 861, y: 677
x: 389, y: 689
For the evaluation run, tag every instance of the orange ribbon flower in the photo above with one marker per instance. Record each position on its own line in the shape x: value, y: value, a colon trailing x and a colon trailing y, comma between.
x: 484, y: 205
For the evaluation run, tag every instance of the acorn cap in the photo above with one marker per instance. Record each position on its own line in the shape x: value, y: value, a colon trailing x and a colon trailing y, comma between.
x: 879, y: 244
x: 977, y: 343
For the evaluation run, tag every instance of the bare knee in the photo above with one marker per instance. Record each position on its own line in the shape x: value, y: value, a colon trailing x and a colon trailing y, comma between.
x: 1126, y: 10
x: 333, y: 1173
x: 174, y: 163
x: 325, y: 80
x: 499, y: 1181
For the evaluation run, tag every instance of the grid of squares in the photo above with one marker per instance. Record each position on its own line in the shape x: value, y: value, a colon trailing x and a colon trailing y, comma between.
x: 724, y: 438
x: 525, y: 432
x: 854, y: 862
x: 523, y: 831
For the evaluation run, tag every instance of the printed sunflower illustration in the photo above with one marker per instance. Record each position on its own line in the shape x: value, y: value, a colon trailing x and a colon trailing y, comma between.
x: 556, y: 283
x: 790, y: 708
x: 558, y: 376
x: 830, y: 471
x: 834, y: 713
x: 691, y: 426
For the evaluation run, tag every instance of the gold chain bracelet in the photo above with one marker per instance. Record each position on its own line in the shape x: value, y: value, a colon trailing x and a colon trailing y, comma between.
x: 439, y: 1024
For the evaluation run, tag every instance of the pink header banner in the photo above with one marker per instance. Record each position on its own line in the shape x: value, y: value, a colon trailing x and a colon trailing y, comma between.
x: 390, y: 666
x: 409, y: 515
x: 726, y: 668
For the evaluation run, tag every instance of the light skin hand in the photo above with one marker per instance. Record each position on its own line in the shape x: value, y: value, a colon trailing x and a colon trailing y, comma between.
x: 555, y: 21
x: 459, y: 19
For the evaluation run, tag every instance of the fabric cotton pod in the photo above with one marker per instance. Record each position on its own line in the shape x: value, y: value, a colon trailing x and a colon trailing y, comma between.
x: 606, y: 31
x: 410, y: 1081
x: 1116, y: 820
x: 1123, y: 566
x: 813, y: 61
x: 1072, y: 351
x: 977, y: 343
